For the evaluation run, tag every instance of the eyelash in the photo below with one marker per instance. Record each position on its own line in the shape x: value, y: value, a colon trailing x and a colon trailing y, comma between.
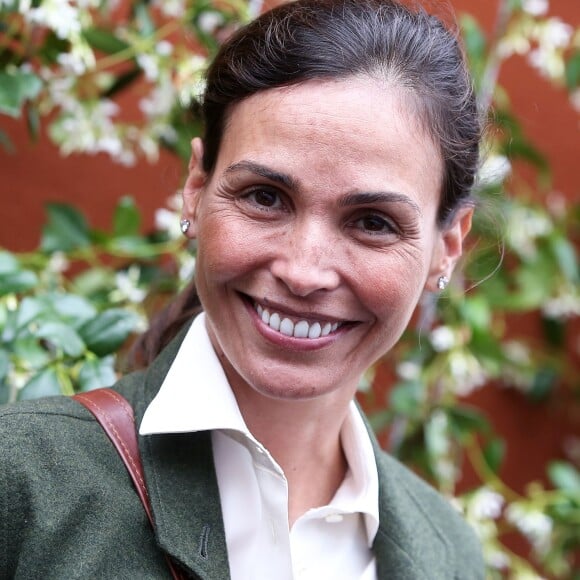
x: 387, y: 225
x: 251, y: 198
x: 389, y: 228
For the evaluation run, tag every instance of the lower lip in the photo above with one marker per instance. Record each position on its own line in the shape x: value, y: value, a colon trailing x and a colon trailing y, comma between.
x: 290, y: 342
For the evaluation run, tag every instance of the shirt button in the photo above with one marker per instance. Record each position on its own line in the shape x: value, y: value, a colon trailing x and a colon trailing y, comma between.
x: 334, y: 518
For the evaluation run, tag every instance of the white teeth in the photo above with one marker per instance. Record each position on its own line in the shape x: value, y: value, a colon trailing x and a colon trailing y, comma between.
x: 301, y: 329
x: 315, y: 330
x: 275, y: 321
x: 287, y: 327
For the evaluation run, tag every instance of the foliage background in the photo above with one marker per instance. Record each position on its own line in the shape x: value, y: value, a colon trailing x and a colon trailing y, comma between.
x: 68, y: 307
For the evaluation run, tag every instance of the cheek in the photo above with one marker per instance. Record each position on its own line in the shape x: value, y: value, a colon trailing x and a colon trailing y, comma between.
x: 391, y: 284
x: 224, y: 252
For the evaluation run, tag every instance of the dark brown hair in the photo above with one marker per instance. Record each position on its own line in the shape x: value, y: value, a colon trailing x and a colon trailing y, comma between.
x: 335, y: 39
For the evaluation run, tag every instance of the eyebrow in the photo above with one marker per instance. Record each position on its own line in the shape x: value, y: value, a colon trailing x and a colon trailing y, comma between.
x: 364, y: 198
x: 263, y: 171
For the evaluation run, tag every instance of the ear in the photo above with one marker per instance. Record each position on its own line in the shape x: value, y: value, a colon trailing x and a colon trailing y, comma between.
x: 193, y: 187
x: 449, y: 247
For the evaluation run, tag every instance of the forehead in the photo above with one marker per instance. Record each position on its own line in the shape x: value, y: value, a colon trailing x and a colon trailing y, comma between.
x: 354, y: 132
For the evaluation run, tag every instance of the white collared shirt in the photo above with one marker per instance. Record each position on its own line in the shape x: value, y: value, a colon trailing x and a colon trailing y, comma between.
x: 332, y: 541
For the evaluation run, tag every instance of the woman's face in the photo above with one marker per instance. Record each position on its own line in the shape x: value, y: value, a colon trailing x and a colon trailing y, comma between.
x: 317, y: 234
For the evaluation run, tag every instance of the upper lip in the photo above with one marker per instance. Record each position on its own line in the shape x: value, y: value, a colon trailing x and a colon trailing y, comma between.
x: 274, y: 306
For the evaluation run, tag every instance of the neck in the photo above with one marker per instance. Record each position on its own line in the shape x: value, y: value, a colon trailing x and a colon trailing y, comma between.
x: 304, y: 439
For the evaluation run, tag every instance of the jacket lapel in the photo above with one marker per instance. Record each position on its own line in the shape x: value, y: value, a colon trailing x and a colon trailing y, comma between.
x: 408, y: 546
x: 182, y: 485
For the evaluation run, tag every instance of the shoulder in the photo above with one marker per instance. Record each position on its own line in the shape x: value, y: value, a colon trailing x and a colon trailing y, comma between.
x: 428, y: 516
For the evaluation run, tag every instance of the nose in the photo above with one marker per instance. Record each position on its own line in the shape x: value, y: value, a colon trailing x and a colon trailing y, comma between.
x: 306, y: 261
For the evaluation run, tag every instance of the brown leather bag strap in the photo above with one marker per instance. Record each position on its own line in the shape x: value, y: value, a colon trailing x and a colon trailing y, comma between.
x: 115, y: 415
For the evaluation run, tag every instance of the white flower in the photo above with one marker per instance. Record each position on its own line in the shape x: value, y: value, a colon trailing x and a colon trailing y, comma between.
x: 494, y: 170
x: 149, y: 66
x: 164, y: 48
x: 58, y: 15
x: 575, y: 99
x: 496, y: 558
x: 466, y: 372
x: 535, y: 525
x: 127, y: 286
x: 209, y: 21
x: 555, y: 33
x: 170, y: 8
x: 517, y: 352
x: 565, y: 305
x: 409, y: 370
x: 442, y: 338
x: 167, y: 221
x: 524, y: 226
x: 187, y: 268
x: 58, y: 263
x: 486, y: 504
x: 535, y: 7
x: 190, y: 82
x: 160, y: 100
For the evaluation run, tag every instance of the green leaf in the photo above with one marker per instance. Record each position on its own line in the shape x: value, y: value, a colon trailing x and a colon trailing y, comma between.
x: 33, y: 123
x: 65, y: 230
x: 72, y: 309
x: 543, y: 384
x: 52, y: 48
x: 476, y: 312
x: 122, y: 82
x: 30, y: 308
x: 565, y: 254
x: 143, y: 19
x: 15, y: 282
x: 4, y: 364
x: 62, y: 336
x: 564, y: 476
x: 94, y: 281
x: 554, y: 331
x: 404, y: 399
x: 28, y: 350
x: 8, y: 263
x: 573, y: 71
x: 16, y: 87
x: 97, y: 373
x: 464, y: 420
x: 493, y: 453
x: 126, y: 220
x: 104, y: 40
x: 6, y: 142
x: 106, y: 333
x: 474, y: 38
x: 43, y: 384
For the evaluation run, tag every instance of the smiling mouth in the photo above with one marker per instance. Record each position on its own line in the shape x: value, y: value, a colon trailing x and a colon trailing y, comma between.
x: 297, y: 328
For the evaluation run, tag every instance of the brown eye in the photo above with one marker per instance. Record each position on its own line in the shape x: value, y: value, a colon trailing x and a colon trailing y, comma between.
x: 265, y: 199
x: 375, y: 224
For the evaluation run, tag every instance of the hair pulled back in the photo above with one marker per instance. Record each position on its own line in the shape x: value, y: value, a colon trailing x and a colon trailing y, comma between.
x: 309, y: 40
x: 336, y: 39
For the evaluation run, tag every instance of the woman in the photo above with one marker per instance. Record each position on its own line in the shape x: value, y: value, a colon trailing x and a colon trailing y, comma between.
x: 331, y: 189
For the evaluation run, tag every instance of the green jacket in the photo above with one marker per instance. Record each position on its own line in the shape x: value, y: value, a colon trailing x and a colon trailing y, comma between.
x: 68, y: 509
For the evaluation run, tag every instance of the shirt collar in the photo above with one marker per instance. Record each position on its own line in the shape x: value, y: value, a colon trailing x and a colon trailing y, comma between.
x: 196, y: 396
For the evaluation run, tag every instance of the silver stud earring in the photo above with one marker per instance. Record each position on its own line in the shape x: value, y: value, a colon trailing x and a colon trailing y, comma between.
x: 184, y: 225
x: 442, y: 282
